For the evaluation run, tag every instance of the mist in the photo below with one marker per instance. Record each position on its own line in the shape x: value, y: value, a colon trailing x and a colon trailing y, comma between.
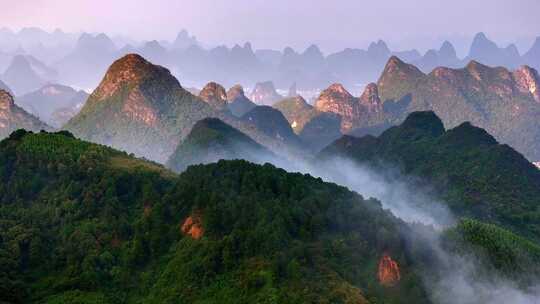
x: 462, y: 278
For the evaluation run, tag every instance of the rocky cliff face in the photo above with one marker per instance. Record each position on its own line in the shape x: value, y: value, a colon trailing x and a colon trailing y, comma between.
x: 528, y: 81
x: 192, y: 227
x: 388, y: 273
x: 354, y: 112
x: 214, y: 94
x: 13, y: 117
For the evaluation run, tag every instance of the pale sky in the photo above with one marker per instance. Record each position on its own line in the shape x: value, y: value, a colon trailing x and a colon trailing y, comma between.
x: 333, y: 24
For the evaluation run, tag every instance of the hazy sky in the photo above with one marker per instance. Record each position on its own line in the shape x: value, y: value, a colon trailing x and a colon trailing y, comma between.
x: 333, y: 24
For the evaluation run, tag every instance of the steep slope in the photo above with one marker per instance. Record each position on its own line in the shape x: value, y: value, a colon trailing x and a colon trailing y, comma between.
x: 315, y: 128
x: 83, y: 223
x: 139, y: 107
x: 13, y: 117
x: 272, y: 123
x: 474, y: 174
x: 504, y: 103
x: 211, y: 140
x: 44, y: 102
x: 238, y: 103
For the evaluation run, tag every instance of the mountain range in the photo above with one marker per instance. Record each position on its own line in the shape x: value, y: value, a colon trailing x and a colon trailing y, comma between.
x: 197, y: 65
x: 504, y: 102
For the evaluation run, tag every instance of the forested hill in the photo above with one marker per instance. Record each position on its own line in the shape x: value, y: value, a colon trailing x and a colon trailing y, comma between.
x: 469, y: 169
x: 83, y: 223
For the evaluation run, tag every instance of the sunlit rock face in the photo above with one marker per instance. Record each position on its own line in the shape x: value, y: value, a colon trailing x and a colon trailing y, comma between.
x: 388, y: 273
x: 214, y: 94
x: 355, y: 112
x: 192, y: 226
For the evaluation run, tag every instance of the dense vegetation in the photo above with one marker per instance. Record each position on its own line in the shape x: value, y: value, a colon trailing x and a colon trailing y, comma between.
x: 475, y: 175
x: 83, y: 223
x: 502, y: 102
x: 211, y: 140
x: 510, y: 255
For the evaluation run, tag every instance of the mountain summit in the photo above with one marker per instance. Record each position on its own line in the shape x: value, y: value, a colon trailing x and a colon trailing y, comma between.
x: 139, y: 107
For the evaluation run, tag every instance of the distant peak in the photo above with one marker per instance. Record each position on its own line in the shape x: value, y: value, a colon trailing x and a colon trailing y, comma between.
x: 380, y: 48
x: 235, y: 92
x: 447, y: 49
x: 426, y: 121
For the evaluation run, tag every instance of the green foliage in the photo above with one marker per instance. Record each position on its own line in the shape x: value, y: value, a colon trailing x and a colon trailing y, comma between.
x: 475, y: 175
x: 211, y: 140
x: 83, y: 223
x: 511, y: 255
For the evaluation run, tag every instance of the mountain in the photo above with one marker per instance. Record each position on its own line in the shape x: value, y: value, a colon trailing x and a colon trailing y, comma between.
x: 355, y: 112
x: 446, y: 56
x: 487, y: 52
x: 214, y: 94
x: 272, y: 123
x: 505, y: 103
x: 532, y: 57
x: 91, y: 54
x: 184, y: 40
x: 83, y: 223
x: 237, y: 102
x: 315, y: 128
x: 464, y: 164
x: 154, y: 52
x: 13, y: 117
x: 210, y: 140
x: 44, y: 102
x: 139, y: 107
x: 20, y: 76
x: 265, y: 93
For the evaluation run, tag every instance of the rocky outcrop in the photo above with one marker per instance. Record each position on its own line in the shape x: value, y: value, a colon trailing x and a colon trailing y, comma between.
x: 388, y: 272
x: 214, y: 94
x: 354, y: 112
x: 528, y: 81
x: 265, y: 93
x: 192, y: 227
